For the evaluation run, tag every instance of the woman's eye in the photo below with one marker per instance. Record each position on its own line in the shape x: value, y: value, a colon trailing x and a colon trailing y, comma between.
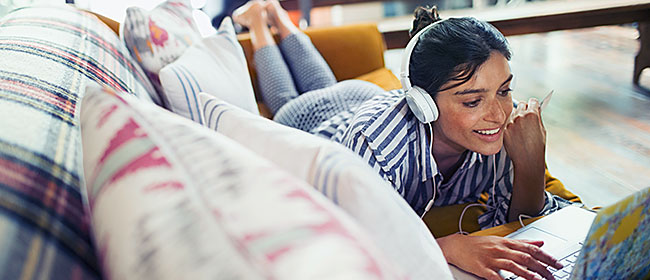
x: 505, y: 92
x: 472, y: 104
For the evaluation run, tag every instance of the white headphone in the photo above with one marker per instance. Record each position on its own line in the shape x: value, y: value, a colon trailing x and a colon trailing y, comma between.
x: 418, y: 99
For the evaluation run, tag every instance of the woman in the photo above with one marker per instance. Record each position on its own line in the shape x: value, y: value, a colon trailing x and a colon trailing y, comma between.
x: 471, y: 148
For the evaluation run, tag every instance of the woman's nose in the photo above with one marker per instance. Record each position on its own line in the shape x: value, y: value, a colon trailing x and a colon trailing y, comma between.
x: 497, y: 112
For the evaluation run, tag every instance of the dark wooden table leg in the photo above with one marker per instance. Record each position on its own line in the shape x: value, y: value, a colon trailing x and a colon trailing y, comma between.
x: 305, y: 10
x: 642, y: 60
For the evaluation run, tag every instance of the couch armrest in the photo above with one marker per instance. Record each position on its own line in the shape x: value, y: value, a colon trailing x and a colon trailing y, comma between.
x: 112, y: 24
x: 350, y: 50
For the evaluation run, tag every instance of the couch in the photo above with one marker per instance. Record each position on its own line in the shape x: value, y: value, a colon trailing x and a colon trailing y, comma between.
x: 49, y: 56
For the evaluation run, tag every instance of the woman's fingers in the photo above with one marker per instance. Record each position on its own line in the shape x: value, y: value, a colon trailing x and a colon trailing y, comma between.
x: 514, y: 267
x: 531, y: 108
x: 485, y: 256
x: 528, y: 254
x: 533, y: 105
x: 534, y: 251
x: 489, y: 274
x: 531, y: 263
x: 521, y: 108
x: 538, y: 243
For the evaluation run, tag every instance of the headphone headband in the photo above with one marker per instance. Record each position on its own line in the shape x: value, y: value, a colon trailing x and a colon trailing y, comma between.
x: 406, y: 58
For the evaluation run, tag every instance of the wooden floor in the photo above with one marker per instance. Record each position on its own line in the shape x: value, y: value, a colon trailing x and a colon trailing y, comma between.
x: 598, y: 123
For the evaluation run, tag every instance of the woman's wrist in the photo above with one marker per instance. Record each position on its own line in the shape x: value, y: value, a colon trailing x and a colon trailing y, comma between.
x: 528, y: 191
x: 448, y: 246
x: 530, y: 161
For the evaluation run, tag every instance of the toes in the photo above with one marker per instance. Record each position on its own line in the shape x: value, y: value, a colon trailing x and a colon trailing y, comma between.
x: 250, y: 11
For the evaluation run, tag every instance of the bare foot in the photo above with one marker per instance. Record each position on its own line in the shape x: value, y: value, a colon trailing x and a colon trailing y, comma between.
x: 276, y: 13
x: 279, y: 18
x: 250, y: 13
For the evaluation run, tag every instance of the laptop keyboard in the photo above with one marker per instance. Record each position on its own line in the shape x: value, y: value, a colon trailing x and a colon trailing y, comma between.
x: 568, y: 262
x: 564, y: 273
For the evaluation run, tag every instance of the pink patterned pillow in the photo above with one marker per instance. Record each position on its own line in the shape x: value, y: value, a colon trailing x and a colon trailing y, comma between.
x: 170, y: 199
x: 158, y: 37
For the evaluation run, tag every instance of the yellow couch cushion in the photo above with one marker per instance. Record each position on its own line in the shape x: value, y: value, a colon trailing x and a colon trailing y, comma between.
x: 351, y: 50
x: 382, y: 77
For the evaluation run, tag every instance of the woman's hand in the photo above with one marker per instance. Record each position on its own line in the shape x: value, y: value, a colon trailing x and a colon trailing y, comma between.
x: 486, y: 255
x: 525, y: 143
x: 525, y: 135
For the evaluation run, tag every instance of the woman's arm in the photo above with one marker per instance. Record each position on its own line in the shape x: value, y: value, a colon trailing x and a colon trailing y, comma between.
x: 525, y: 142
x: 486, y: 255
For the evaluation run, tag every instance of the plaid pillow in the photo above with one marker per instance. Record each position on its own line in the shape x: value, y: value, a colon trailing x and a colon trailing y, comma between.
x: 171, y: 199
x: 49, y: 56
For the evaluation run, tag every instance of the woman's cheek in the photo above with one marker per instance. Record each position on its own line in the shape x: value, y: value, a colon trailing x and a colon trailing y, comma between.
x: 463, y: 120
x: 507, y: 107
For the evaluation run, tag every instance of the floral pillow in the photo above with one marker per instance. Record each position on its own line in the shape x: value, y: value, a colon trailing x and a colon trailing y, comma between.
x: 158, y: 37
x: 170, y: 199
x: 216, y: 65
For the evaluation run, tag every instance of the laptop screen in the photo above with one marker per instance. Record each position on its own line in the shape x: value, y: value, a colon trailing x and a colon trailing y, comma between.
x: 618, y: 242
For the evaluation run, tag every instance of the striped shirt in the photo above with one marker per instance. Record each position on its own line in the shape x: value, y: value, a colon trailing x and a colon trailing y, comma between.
x: 387, y: 135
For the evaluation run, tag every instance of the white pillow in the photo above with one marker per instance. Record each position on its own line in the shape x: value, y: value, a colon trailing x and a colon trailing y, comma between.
x: 217, y: 65
x: 344, y: 178
x: 170, y: 199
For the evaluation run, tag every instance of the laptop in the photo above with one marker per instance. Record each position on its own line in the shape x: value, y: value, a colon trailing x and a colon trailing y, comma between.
x: 612, y: 244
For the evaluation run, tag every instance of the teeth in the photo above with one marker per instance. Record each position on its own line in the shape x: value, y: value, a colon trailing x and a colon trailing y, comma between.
x: 488, y: 132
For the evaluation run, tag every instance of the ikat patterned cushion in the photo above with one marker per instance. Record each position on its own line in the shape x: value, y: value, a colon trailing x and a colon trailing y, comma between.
x: 171, y: 199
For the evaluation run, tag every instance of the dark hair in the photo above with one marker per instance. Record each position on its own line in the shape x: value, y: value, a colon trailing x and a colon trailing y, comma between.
x: 452, y: 50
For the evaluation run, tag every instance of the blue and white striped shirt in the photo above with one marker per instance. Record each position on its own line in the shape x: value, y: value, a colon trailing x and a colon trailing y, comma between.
x: 386, y: 134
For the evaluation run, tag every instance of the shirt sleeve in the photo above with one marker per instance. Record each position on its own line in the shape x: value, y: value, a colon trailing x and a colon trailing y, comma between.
x: 553, y: 203
x: 335, y: 127
x: 501, y: 194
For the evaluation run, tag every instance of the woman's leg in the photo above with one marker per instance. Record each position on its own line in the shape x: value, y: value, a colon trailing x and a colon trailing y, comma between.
x: 275, y: 81
x: 310, y: 110
x: 309, y: 69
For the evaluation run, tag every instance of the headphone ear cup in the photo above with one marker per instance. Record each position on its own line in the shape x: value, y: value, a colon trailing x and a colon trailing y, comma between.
x: 422, y: 105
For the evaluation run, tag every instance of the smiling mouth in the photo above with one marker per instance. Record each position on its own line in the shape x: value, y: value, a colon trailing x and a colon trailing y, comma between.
x: 488, y: 131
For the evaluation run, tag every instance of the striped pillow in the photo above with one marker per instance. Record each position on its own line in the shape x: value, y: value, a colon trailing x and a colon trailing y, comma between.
x: 158, y: 37
x: 49, y: 56
x: 216, y: 65
x: 344, y: 178
x: 171, y: 199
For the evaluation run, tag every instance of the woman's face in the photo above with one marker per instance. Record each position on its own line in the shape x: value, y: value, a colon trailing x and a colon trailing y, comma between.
x: 473, y: 115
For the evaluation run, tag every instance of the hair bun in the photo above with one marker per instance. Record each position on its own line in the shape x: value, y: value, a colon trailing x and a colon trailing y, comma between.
x: 423, y: 17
